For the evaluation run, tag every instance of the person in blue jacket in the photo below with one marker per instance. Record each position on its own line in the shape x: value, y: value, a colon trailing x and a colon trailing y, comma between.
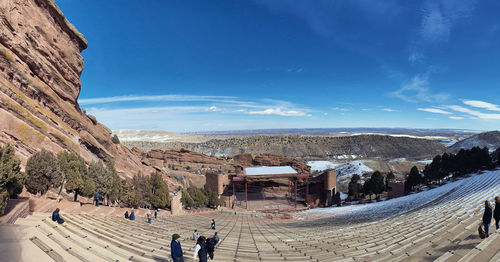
x: 56, y: 217
x: 176, y: 249
x: 132, y: 215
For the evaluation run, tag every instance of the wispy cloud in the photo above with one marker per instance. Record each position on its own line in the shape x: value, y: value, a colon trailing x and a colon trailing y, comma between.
x: 455, y: 117
x: 389, y: 110
x: 166, y: 98
x: 417, y: 90
x: 435, y: 110
x: 439, y: 17
x: 475, y: 113
x: 482, y: 104
x: 277, y: 111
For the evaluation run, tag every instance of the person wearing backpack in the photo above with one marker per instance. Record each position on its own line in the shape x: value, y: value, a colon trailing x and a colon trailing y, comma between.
x: 200, y: 249
x: 211, y: 247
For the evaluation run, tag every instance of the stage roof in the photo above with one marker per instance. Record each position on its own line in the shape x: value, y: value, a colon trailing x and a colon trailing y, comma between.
x: 269, y: 170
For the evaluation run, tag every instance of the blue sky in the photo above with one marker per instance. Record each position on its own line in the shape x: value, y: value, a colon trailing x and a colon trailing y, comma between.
x: 186, y: 66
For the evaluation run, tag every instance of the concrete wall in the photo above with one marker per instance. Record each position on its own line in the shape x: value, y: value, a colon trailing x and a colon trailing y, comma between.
x: 176, y: 204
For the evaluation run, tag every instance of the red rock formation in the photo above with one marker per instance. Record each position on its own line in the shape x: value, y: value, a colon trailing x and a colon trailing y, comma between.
x: 40, y: 68
x: 276, y: 160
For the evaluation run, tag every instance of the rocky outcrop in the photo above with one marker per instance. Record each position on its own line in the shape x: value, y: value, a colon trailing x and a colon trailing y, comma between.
x: 276, y: 160
x: 40, y: 68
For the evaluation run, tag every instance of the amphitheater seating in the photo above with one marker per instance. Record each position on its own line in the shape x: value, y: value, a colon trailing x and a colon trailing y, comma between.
x: 444, y: 229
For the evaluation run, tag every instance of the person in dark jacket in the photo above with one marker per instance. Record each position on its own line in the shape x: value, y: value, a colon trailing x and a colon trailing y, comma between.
x: 96, y: 198
x: 126, y: 214
x: 132, y: 215
x: 176, y: 249
x: 211, y: 247
x: 200, y: 250
x: 156, y: 213
x: 496, y: 214
x: 213, y: 224
x: 487, y: 217
x: 56, y: 217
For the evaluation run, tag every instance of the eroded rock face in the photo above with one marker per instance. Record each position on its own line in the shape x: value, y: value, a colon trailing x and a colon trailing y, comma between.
x: 40, y: 68
x: 276, y: 160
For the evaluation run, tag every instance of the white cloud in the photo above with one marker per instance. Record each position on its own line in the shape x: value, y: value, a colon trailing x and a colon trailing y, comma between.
x: 168, y: 98
x: 475, y: 113
x: 482, y: 104
x: 278, y: 111
x: 340, y: 109
x: 435, y: 110
x: 456, y: 117
x: 389, y: 110
x: 213, y: 109
x: 417, y: 90
x: 434, y: 25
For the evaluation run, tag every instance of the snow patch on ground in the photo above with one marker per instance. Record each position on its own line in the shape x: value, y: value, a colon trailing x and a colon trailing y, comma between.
x: 398, y: 159
x: 343, y: 196
x: 425, y: 161
x: 351, y: 168
x: 322, y: 165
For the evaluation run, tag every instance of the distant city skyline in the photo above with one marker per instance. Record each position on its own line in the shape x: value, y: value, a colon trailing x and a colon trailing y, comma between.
x: 200, y: 66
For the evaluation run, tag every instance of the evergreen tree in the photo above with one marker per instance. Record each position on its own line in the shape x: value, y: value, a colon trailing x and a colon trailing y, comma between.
x: 213, y: 199
x: 11, y: 177
x: 76, y: 176
x: 130, y: 196
x: 198, y: 195
x: 103, y: 179
x: 158, y: 194
x: 368, y: 188
x: 186, y: 199
x: 377, y: 183
x: 413, y: 178
x: 115, y: 139
x: 388, y: 178
x: 42, y: 172
x: 354, y: 186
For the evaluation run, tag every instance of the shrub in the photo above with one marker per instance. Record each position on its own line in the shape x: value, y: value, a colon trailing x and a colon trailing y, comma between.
x: 42, y: 172
x: 115, y: 139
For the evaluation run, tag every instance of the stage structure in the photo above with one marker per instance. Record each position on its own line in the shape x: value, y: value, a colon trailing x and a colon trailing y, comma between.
x: 251, y: 174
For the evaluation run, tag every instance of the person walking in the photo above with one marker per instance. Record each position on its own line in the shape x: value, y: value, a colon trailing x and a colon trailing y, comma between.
x: 156, y: 213
x: 496, y: 214
x: 196, y: 235
x: 213, y: 224
x: 211, y: 242
x: 200, y: 249
x: 96, y: 198
x: 487, y: 217
x: 176, y: 249
x: 149, y: 216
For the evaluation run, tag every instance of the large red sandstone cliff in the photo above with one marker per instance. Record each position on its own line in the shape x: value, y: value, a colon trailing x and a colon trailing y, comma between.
x: 40, y: 68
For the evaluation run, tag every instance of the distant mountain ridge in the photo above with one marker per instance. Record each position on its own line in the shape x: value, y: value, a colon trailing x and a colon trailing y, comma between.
x: 310, y: 147
x: 491, y: 140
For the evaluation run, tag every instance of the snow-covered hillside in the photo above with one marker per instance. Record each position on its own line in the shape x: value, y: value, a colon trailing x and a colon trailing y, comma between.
x: 487, y: 184
x: 355, y: 167
x: 322, y: 165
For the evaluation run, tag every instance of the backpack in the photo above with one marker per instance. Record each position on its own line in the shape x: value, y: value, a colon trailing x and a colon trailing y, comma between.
x: 211, y: 244
x: 481, y: 232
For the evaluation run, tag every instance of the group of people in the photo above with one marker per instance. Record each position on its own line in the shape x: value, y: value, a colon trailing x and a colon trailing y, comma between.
x: 203, y: 250
x: 488, y: 214
x: 131, y: 215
